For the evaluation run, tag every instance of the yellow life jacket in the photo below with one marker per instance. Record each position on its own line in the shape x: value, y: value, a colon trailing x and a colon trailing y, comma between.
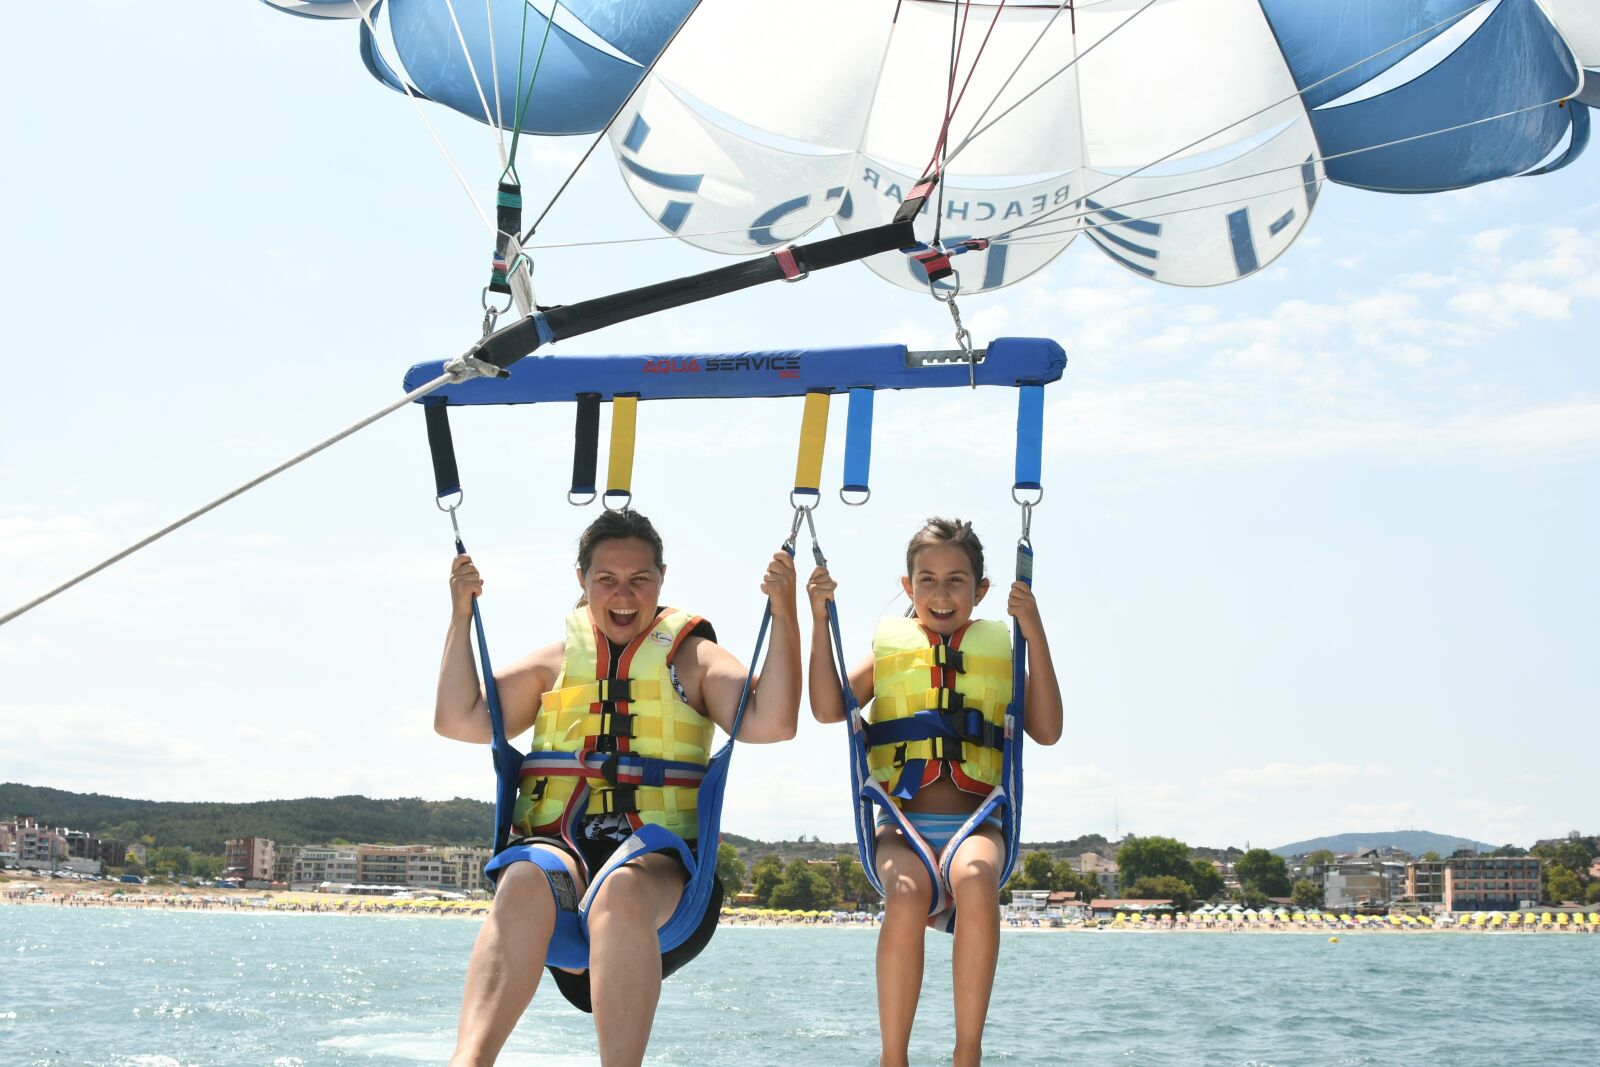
x: 937, y: 701
x: 622, y: 728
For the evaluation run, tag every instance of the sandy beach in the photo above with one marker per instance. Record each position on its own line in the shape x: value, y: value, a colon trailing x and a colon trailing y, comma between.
x: 72, y: 894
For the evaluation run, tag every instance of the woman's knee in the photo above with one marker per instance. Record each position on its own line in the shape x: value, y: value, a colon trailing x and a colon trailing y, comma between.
x: 628, y: 893
x: 524, y: 888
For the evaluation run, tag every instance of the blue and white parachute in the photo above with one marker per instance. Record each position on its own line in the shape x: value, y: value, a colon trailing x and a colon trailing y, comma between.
x: 1187, y: 139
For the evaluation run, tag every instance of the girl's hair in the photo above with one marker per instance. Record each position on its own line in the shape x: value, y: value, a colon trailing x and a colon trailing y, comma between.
x: 616, y: 526
x: 942, y: 531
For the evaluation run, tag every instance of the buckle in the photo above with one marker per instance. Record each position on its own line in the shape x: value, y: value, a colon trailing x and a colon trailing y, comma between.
x: 619, y: 801
x: 616, y: 690
x: 615, y: 724
x: 900, y: 755
x: 950, y: 658
x: 946, y: 748
x: 608, y: 770
x: 950, y: 701
x: 605, y: 743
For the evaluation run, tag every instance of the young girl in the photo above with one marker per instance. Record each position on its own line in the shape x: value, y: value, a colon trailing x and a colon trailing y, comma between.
x: 938, y: 656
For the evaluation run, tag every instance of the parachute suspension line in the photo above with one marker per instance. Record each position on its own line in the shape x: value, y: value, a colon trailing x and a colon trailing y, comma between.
x: 1237, y: 122
x: 458, y: 370
x: 466, y: 186
x: 524, y: 98
x: 601, y: 135
x: 477, y: 82
x: 981, y: 127
x: 494, y: 64
x: 1008, y: 238
x: 1062, y: 5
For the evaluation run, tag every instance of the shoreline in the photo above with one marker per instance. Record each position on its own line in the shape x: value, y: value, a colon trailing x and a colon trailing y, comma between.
x: 281, y: 902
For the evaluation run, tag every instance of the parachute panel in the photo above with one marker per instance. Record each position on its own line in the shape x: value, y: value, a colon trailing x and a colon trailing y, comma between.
x: 1515, y: 60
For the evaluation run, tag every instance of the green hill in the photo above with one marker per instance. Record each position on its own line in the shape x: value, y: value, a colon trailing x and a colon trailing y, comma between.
x: 1416, y: 842
x: 205, y: 825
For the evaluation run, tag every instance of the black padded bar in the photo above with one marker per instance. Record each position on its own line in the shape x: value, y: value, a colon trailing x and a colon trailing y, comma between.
x: 505, y: 347
x: 443, y: 450
x: 586, y: 444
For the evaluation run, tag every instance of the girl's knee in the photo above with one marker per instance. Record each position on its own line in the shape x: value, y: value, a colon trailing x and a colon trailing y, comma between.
x: 975, y: 884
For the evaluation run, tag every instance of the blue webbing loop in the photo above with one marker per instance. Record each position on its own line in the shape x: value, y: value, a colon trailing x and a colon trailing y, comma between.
x: 1016, y: 712
x: 541, y: 327
x: 1030, y: 436
x: 858, y: 444
x: 507, y: 760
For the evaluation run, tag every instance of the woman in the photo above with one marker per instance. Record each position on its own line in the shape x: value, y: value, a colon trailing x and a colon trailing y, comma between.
x: 669, y: 682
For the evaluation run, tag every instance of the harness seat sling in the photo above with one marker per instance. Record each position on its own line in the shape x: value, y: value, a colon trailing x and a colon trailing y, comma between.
x: 616, y: 771
x: 938, y: 728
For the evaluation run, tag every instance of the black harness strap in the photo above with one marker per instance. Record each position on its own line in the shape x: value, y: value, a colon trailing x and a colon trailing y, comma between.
x: 585, y: 445
x: 442, y: 448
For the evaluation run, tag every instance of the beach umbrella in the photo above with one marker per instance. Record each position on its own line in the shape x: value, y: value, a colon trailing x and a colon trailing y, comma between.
x: 1561, y: 919
x: 1594, y: 918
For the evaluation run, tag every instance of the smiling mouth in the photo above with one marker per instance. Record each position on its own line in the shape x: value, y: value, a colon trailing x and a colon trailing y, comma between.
x: 942, y: 616
x: 622, y: 618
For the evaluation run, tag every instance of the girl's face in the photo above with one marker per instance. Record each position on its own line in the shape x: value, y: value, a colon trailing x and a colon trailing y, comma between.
x: 623, y: 586
x: 943, y: 589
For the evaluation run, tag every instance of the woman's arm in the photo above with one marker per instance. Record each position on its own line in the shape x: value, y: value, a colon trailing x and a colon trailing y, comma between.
x: 460, y: 710
x: 1041, y: 691
x: 717, y: 676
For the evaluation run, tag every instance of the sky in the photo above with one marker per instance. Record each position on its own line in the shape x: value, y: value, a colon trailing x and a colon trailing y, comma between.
x: 1316, y: 552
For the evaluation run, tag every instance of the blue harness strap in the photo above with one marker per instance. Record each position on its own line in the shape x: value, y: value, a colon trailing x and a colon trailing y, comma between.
x: 569, y: 944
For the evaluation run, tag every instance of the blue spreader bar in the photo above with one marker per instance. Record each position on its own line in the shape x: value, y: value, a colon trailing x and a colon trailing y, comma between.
x: 539, y: 379
x: 1030, y: 436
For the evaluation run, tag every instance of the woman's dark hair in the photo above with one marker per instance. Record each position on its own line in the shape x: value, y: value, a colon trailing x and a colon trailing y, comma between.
x: 942, y: 531
x: 617, y: 525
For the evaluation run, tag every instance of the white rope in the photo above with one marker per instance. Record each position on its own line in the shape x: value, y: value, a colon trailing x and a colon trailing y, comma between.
x: 1277, y: 103
x: 477, y: 83
x: 1007, y: 238
x: 975, y: 132
x: 494, y: 71
x: 421, y: 391
x: 604, y: 129
x: 466, y: 186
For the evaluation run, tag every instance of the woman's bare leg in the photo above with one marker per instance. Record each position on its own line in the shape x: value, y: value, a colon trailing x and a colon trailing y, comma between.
x: 625, y: 953
x: 507, y: 962
x: 907, y: 894
x: 975, y: 882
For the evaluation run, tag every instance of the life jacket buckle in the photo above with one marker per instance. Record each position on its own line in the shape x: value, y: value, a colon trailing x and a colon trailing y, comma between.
x: 946, y: 748
x: 608, y: 769
x: 605, y: 743
x: 619, y: 801
x: 616, y: 690
x: 950, y: 701
x: 615, y: 724
x: 950, y: 659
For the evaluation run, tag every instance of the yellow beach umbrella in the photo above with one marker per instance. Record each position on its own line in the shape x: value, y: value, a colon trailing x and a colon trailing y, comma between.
x: 1594, y: 918
x: 1561, y: 919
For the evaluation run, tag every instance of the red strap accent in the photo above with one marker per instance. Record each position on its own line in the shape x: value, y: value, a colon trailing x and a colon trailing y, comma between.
x: 923, y: 188
x: 791, y: 269
x: 935, y: 263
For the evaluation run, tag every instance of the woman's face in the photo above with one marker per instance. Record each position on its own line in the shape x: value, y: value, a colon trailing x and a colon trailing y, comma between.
x: 943, y: 589
x: 623, y: 585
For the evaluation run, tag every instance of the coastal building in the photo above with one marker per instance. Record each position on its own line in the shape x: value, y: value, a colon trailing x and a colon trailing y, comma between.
x: 1353, y: 883
x: 283, y: 860
x: 248, y: 858
x: 35, y: 845
x: 415, y: 866
x: 1103, y: 871
x: 86, y: 846
x: 1491, y: 883
x: 1425, y: 881
x: 461, y: 868
x: 316, y: 864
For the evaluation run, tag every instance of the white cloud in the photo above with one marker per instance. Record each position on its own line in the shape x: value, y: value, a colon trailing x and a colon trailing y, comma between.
x: 1286, y: 775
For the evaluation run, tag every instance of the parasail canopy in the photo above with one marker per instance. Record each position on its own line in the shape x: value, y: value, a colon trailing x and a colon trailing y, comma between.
x: 1186, y: 139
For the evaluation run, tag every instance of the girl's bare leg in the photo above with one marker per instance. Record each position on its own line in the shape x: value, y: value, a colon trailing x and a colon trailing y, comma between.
x: 907, y: 893
x: 975, y: 881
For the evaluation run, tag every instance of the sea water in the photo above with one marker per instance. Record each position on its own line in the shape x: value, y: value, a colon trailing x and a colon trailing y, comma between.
x: 166, y: 988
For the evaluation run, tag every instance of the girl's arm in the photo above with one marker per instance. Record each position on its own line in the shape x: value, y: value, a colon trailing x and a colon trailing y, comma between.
x: 1041, y: 691
x: 717, y: 677
x: 460, y: 709
x: 822, y: 679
